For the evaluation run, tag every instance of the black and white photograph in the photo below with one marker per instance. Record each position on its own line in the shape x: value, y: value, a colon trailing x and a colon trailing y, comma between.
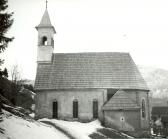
x: 83, y: 69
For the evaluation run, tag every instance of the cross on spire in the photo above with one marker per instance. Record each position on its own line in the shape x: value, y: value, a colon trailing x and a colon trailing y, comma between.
x: 46, y: 4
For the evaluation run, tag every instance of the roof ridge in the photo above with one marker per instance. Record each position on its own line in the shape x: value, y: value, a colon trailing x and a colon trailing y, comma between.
x: 93, y: 53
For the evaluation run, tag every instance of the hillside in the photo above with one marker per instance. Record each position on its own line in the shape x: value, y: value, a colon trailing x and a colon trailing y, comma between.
x: 14, y: 127
x: 157, y: 81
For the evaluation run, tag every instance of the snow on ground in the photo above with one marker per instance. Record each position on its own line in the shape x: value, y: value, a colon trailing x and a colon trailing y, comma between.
x: 32, y: 115
x: 77, y: 129
x: 14, y: 127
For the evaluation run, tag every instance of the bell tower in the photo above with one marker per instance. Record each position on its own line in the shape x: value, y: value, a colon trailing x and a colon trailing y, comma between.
x: 45, y: 39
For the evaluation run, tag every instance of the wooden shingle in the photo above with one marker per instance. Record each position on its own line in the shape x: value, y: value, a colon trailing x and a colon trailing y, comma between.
x: 120, y: 101
x: 89, y: 70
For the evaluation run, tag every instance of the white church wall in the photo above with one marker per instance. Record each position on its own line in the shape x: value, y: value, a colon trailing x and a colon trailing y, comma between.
x: 65, y: 99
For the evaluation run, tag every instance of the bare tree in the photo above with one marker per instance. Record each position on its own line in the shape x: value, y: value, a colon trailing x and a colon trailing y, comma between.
x: 16, y: 82
x: 15, y: 74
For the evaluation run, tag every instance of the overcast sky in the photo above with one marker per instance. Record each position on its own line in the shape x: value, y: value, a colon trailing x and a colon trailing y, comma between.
x: 139, y: 27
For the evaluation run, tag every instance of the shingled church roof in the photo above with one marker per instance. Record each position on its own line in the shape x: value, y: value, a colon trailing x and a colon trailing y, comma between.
x: 89, y: 70
x: 120, y: 101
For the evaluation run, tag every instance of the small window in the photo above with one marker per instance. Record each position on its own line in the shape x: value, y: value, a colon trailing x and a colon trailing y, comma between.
x: 95, y: 109
x: 52, y: 42
x: 44, y: 40
x: 75, y: 109
x: 143, y: 108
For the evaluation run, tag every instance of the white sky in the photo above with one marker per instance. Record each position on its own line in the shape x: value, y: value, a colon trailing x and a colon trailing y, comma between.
x: 136, y: 26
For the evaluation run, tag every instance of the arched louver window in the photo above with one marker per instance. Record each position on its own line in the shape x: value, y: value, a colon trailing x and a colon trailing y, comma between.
x: 44, y: 40
x: 143, y: 108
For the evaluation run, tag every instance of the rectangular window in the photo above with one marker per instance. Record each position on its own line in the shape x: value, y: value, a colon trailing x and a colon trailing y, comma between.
x: 75, y: 109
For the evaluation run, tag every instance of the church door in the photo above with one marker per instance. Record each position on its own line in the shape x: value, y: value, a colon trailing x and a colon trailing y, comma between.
x: 95, y: 109
x: 55, y: 109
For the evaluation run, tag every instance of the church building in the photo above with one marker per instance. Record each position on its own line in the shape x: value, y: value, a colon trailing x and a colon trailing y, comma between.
x: 86, y: 86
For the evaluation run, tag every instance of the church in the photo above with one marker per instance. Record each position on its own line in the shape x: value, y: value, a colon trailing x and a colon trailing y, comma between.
x: 87, y: 86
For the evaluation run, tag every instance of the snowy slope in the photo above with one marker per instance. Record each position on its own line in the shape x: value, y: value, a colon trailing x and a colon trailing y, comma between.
x: 77, y: 129
x: 13, y: 127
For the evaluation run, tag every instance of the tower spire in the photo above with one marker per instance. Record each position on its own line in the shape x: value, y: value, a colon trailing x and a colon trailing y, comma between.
x: 46, y: 4
x: 45, y: 21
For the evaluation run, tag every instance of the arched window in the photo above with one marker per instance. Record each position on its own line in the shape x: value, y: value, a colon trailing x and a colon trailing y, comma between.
x: 95, y: 108
x: 75, y: 108
x: 143, y: 108
x: 44, y: 40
